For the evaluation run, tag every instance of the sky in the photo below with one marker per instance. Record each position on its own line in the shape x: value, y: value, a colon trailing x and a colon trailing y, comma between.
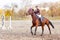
x: 42, y: 1
x: 20, y: 3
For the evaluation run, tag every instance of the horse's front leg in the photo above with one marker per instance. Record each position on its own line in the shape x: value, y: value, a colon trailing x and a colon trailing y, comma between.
x: 42, y: 30
x: 49, y: 29
x: 31, y: 30
x: 37, y: 23
x: 35, y: 30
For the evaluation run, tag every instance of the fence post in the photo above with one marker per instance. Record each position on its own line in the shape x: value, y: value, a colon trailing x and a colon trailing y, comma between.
x: 10, y: 23
x: 3, y: 21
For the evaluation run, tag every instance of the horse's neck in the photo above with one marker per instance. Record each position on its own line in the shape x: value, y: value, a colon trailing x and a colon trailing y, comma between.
x: 33, y: 17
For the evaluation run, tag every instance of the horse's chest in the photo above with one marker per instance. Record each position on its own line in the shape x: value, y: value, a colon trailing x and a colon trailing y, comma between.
x: 34, y: 22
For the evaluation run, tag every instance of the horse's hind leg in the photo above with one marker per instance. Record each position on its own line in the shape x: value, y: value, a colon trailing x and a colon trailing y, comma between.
x: 49, y: 29
x: 31, y: 30
x: 42, y: 30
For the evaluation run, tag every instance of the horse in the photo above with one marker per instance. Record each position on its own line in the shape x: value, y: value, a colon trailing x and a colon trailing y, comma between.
x: 36, y: 22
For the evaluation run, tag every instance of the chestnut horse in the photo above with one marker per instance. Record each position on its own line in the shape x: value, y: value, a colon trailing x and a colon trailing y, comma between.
x: 36, y: 22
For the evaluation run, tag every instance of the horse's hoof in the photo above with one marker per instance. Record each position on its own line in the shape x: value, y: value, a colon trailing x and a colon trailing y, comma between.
x: 41, y: 34
x: 34, y: 34
x: 50, y: 33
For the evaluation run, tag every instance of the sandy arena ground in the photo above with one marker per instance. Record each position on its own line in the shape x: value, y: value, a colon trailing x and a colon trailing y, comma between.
x: 21, y: 31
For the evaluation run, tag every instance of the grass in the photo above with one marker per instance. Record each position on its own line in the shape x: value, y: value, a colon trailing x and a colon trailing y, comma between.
x: 29, y: 18
x: 50, y: 18
x: 54, y: 18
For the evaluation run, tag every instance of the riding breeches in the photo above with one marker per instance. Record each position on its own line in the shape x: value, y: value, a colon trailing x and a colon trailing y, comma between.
x: 40, y: 16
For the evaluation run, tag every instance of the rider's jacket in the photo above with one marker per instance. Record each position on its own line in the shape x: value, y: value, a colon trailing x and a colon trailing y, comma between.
x: 37, y: 11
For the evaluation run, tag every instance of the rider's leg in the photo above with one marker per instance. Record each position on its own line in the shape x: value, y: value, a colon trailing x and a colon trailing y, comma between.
x: 40, y: 17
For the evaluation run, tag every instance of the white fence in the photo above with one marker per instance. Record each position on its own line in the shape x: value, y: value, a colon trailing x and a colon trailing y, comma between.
x: 5, y: 24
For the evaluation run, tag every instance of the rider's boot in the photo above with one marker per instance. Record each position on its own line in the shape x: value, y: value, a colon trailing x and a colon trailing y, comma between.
x: 40, y: 21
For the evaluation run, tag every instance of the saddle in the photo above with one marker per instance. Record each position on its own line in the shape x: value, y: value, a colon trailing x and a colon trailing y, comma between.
x: 40, y: 19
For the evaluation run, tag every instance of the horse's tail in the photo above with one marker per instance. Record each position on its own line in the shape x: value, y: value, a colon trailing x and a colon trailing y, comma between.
x: 51, y: 24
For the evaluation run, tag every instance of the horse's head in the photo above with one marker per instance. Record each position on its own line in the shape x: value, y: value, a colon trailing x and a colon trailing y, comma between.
x: 30, y: 11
